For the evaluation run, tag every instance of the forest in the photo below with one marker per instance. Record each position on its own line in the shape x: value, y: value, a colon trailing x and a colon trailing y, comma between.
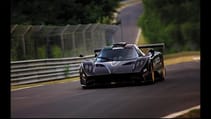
x: 174, y: 22
x: 62, y: 12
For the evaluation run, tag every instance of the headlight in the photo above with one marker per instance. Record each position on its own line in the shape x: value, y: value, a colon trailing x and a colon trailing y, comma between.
x: 83, y: 75
x: 144, y: 70
x: 88, y: 67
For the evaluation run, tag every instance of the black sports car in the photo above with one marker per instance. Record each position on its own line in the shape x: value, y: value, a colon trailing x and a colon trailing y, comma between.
x: 123, y: 62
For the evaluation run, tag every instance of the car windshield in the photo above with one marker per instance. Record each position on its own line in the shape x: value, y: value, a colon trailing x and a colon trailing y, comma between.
x: 117, y: 54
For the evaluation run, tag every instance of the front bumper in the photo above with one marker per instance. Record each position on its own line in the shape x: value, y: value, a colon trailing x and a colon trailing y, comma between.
x: 102, y: 79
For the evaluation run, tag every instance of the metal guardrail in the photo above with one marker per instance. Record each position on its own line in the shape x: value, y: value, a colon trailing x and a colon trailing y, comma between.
x: 31, y: 71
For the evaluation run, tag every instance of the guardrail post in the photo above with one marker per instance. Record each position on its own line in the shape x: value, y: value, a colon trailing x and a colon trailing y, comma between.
x: 84, y: 36
x: 73, y: 35
x: 36, y: 43
x: 92, y: 35
x: 13, y: 28
x: 23, y: 40
x: 49, y: 55
x: 62, y: 38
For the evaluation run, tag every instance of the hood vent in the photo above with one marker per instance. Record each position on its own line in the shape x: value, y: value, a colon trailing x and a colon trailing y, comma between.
x: 129, y: 63
x: 99, y: 65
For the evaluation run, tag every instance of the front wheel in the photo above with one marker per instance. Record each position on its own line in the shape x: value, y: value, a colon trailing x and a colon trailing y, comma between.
x: 85, y: 86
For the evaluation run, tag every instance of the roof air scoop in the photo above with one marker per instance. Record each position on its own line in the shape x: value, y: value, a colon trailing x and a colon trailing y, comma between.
x: 120, y: 44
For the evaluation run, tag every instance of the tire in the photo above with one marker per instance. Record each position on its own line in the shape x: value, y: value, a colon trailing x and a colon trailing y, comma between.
x: 85, y: 87
x: 152, y: 75
x: 88, y: 86
x: 163, y: 74
x: 84, y: 84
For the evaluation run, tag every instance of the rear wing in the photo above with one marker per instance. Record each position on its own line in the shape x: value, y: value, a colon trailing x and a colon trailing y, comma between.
x: 161, y: 46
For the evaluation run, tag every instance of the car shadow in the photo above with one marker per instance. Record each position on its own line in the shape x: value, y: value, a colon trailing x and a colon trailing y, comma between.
x: 120, y: 85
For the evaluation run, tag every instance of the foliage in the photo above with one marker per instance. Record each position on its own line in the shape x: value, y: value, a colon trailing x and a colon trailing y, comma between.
x: 16, y: 50
x: 61, y: 12
x: 104, y: 20
x: 174, y: 22
x: 67, y: 70
x: 13, y: 50
x: 41, y: 52
x: 56, y: 51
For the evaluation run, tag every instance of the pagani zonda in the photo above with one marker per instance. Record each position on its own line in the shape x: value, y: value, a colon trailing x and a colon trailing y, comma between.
x: 123, y: 62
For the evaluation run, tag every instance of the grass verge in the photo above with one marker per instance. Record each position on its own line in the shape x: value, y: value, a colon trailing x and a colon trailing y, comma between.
x: 181, y: 57
x: 192, y: 114
x: 142, y: 40
x: 181, y: 54
x: 16, y: 87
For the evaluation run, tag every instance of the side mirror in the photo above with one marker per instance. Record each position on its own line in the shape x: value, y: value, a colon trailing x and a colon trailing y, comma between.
x: 152, y: 51
x: 81, y: 55
x: 96, y: 51
x: 118, y: 22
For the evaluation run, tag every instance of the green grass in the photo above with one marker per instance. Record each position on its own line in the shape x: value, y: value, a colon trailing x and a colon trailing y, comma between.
x: 192, y: 114
x: 142, y: 40
x: 181, y: 54
x: 44, y: 83
x: 180, y: 57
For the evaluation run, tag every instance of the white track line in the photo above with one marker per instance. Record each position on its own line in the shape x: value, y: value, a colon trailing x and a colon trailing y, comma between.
x: 138, y: 35
x: 75, y: 80
x: 196, y: 58
x: 26, y: 87
x: 39, y: 85
x: 181, y: 112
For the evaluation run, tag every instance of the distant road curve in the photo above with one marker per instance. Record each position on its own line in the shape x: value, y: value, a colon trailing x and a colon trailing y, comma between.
x: 128, y: 29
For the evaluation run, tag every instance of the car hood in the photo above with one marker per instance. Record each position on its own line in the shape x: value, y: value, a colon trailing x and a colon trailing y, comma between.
x: 113, y: 67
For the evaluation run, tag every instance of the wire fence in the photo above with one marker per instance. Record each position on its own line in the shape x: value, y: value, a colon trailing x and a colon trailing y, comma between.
x: 41, y: 42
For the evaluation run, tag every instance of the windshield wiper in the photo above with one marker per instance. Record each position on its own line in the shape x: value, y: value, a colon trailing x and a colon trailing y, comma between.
x: 106, y: 58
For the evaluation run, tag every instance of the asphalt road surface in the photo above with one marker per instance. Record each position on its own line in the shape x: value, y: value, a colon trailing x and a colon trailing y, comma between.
x: 180, y: 90
x: 128, y: 29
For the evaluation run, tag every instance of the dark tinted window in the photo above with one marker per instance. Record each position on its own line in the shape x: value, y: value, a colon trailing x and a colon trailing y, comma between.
x: 117, y: 54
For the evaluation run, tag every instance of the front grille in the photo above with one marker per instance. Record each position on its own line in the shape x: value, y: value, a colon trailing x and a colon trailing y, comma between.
x: 116, y: 78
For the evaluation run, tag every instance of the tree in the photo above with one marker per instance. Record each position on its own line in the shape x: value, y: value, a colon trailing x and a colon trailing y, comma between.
x: 61, y: 12
x: 174, y: 22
